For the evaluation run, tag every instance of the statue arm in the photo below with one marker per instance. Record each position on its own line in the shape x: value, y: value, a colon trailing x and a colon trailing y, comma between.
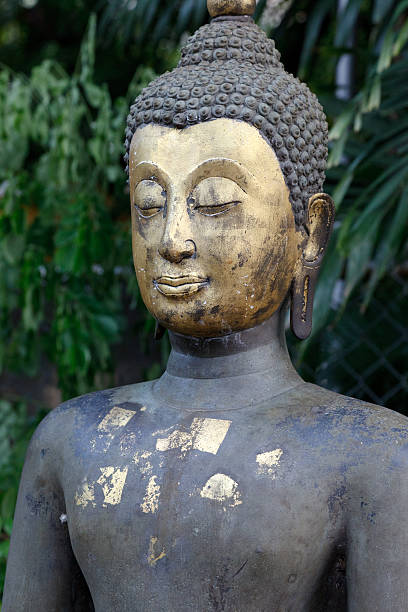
x: 377, y: 574
x: 42, y: 572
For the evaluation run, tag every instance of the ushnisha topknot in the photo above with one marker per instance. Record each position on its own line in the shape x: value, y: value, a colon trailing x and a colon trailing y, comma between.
x: 216, y: 8
x: 229, y: 68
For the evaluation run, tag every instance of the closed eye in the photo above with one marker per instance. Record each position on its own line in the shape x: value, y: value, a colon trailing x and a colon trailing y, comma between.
x: 146, y: 213
x: 216, y: 209
x: 149, y: 198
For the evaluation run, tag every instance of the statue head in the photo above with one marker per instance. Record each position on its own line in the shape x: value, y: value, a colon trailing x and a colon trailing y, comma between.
x: 226, y: 157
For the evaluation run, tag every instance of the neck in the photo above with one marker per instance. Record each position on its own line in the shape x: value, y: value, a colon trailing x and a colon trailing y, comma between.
x: 230, y: 372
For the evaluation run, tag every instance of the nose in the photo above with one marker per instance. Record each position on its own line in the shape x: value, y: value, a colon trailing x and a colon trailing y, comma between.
x: 177, y: 250
x: 176, y: 243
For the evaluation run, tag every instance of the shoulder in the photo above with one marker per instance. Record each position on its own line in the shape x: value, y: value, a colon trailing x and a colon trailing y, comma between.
x: 363, y: 421
x: 60, y: 421
x: 345, y: 426
x: 375, y: 435
x: 83, y: 415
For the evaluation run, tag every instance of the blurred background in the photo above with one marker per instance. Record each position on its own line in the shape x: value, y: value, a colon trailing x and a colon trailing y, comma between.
x: 71, y: 320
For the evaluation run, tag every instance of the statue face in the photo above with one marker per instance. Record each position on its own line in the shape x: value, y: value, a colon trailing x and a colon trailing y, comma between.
x: 213, y: 232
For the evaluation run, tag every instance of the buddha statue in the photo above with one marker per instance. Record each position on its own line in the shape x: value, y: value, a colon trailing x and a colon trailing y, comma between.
x: 229, y: 484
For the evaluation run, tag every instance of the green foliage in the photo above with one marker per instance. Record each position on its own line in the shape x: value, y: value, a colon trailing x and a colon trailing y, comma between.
x: 64, y: 231
x: 368, y: 162
x: 151, y: 20
x: 129, y: 34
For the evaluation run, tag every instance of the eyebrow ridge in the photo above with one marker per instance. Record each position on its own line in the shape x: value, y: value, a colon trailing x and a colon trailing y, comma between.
x: 153, y: 167
x: 225, y: 160
x: 192, y: 175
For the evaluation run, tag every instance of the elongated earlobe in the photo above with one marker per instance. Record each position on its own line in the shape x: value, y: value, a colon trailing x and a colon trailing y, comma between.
x: 320, y: 225
x: 302, y: 296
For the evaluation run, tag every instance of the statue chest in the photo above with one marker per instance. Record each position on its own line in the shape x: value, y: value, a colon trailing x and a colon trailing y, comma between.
x: 197, y: 516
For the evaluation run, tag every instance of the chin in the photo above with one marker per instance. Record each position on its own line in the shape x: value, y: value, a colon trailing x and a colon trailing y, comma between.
x: 208, y: 321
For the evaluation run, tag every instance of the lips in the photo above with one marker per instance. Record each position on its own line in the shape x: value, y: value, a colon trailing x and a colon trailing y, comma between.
x: 179, y: 286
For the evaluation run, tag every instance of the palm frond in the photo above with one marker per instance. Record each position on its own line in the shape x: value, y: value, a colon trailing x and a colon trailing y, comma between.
x: 368, y: 162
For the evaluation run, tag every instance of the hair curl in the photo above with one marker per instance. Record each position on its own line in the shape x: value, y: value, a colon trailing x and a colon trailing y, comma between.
x: 229, y: 68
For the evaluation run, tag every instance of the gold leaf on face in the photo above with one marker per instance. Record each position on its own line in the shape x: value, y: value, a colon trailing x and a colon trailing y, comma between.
x: 221, y: 254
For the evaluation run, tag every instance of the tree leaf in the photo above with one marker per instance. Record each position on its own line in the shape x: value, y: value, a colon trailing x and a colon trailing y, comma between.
x: 390, y: 245
x: 381, y: 8
x: 315, y: 22
x: 346, y: 22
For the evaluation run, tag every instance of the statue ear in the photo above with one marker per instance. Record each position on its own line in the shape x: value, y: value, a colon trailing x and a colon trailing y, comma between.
x: 319, y: 225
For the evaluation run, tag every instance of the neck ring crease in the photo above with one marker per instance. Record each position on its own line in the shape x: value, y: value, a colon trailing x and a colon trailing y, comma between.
x: 242, y: 369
